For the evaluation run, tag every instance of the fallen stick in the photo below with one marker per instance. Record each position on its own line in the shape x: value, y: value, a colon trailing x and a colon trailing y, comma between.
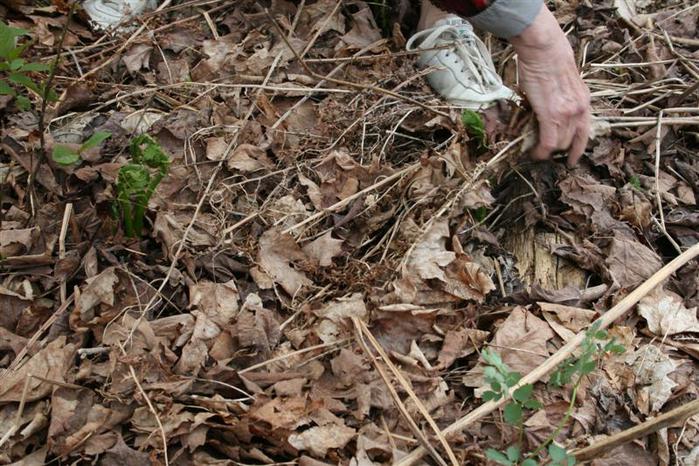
x: 651, y: 425
x: 565, y: 351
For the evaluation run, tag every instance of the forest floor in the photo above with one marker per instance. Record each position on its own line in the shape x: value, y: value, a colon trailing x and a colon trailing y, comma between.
x: 332, y: 248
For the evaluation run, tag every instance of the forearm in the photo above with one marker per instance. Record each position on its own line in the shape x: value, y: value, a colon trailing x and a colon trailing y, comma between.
x: 504, y: 18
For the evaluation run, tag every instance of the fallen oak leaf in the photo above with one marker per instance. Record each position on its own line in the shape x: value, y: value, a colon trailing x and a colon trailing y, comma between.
x: 51, y: 363
x: 318, y: 440
x: 277, y: 252
x: 666, y: 314
x: 323, y: 249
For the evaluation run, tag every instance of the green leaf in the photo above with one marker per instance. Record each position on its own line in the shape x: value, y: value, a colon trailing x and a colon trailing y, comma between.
x: 35, y: 67
x: 588, y: 367
x: 529, y: 462
x: 8, y: 38
x: 95, y: 140
x: 512, y: 413
x: 557, y: 454
x: 523, y: 393
x: 512, y: 453
x: 23, y: 80
x: 491, y: 357
x: 23, y: 103
x: 490, y: 395
x: 617, y: 349
x: 512, y: 378
x: 5, y: 89
x: 474, y: 125
x: 532, y: 404
x: 498, y: 457
x: 16, y: 64
x: 51, y: 96
x: 64, y: 155
x: 492, y: 376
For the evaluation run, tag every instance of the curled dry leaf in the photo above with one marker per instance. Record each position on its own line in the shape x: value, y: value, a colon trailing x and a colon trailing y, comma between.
x: 522, y: 341
x: 459, y: 344
x: 666, y: 314
x: 248, y: 158
x: 651, y: 367
x: 318, y: 440
x: 434, y: 274
x: 630, y: 262
x: 276, y: 255
x: 51, y: 363
x: 323, y: 249
x: 219, y: 301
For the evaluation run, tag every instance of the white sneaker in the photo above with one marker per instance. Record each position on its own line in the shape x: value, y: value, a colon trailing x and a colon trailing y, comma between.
x: 107, y: 13
x: 464, y: 72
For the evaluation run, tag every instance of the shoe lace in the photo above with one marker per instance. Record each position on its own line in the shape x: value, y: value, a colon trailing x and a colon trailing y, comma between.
x: 469, y: 50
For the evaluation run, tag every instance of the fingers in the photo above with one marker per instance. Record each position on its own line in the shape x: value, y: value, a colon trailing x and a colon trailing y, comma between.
x: 577, y: 147
x: 567, y: 129
x: 548, y: 140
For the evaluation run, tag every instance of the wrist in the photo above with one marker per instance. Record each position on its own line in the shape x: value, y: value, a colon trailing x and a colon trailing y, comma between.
x: 543, y: 35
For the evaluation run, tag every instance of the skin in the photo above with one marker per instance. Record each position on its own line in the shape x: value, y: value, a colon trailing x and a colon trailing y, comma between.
x: 549, y: 77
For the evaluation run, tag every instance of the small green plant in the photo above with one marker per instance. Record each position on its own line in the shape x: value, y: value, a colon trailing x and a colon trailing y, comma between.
x: 501, y: 379
x: 66, y: 155
x: 13, y: 68
x: 635, y: 182
x: 474, y: 126
x: 137, y: 182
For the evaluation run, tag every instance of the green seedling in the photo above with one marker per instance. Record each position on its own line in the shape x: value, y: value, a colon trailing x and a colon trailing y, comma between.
x: 474, y: 126
x: 137, y: 182
x: 13, y: 68
x: 502, y: 379
x: 65, y: 155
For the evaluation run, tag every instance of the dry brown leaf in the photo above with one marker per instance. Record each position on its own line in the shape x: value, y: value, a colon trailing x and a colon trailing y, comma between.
x: 16, y: 242
x: 36, y: 458
x: 666, y: 314
x: 216, y: 148
x: 219, y: 301
x: 248, y: 158
x: 344, y: 308
x: 651, y: 368
x: 99, y: 290
x: 585, y: 194
x: 323, y: 249
x: 630, y: 262
x: 364, y: 31
x: 521, y: 341
x: 51, y: 363
x: 137, y: 58
x: 75, y: 414
x: 257, y: 327
x: 460, y: 343
x: 196, y: 351
x: 318, y: 440
x: 277, y: 252
x: 458, y: 278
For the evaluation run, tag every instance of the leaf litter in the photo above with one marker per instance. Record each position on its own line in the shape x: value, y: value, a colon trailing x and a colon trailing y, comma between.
x: 224, y: 335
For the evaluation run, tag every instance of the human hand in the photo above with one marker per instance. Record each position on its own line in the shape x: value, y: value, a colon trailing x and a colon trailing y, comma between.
x: 550, y: 78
